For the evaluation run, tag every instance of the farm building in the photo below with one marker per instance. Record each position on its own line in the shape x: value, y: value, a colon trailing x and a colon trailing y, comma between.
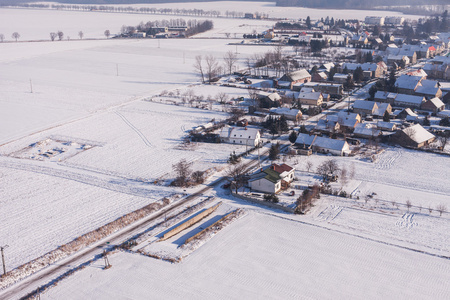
x: 311, y: 98
x: 414, y: 136
x: 434, y: 105
x: 300, y: 76
x: 322, y: 144
x: 290, y: 113
x: 364, y: 107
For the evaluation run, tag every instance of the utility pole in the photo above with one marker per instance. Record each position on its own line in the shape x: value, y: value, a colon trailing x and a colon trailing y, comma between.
x: 159, y: 43
x: 3, y: 258
x: 117, y: 69
x: 107, y: 264
x: 31, y: 86
x: 184, y: 57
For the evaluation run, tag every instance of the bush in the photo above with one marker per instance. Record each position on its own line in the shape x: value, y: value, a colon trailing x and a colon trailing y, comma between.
x: 343, y: 194
x: 271, y: 198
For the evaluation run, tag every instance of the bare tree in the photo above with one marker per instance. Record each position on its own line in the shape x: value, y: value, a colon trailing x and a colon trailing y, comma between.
x: 182, y: 170
x: 198, y: 177
x: 212, y: 67
x: 309, y: 166
x: 430, y: 210
x: 222, y: 97
x: 227, y: 34
x: 328, y: 167
x: 60, y: 35
x: 2, y: 37
x: 352, y: 171
x: 442, y: 139
x: 53, y: 35
x: 107, y: 33
x: 15, y: 35
x: 230, y: 59
x: 80, y: 34
x: 198, y: 66
x: 236, y: 176
x: 253, y: 95
x: 408, y: 204
x: 236, y: 113
x: 441, y: 209
x: 343, y: 179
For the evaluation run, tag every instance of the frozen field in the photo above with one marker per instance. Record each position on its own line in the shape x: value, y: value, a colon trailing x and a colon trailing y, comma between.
x: 261, y: 256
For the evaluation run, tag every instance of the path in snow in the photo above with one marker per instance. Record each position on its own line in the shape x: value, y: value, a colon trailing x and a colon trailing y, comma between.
x: 388, y: 159
x: 141, y: 135
x: 329, y: 213
x: 406, y: 221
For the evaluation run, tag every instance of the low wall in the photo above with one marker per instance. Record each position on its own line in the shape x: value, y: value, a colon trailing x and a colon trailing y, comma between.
x: 189, y: 222
x: 265, y: 203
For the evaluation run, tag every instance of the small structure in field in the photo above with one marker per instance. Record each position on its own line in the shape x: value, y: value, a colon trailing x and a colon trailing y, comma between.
x: 240, y: 135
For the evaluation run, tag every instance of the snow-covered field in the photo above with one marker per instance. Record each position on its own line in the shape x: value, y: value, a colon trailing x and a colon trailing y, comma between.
x: 262, y: 256
x: 85, y: 147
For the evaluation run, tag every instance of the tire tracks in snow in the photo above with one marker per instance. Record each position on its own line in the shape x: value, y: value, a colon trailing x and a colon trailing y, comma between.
x: 139, y: 133
x: 388, y: 159
x: 107, y: 183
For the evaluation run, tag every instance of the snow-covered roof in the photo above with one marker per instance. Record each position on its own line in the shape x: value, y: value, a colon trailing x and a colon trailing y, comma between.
x: 285, y: 111
x: 418, y: 134
x: 271, y: 96
x: 310, y: 95
x: 363, y: 104
x: 419, y: 72
x: 325, y: 125
x: 366, y: 130
x: 382, y: 107
x: 345, y: 118
x: 386, y: 125
x: 239, y: 132
x: 444, y: 113
x: 364, y: 66
x: 327, y: 143
x: 305, y: 139
x: 436, y: 102
x: 409, y: 99
x: 296, y: 75
x: 410, y: 113
x: 408, y: 82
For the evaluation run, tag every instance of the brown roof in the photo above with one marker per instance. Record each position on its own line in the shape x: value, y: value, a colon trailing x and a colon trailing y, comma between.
x: 280, y: 169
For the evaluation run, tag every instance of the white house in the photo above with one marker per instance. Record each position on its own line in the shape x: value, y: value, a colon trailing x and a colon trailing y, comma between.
x: 240, y: 135
x: 322, y: 144
x: 272, y: 179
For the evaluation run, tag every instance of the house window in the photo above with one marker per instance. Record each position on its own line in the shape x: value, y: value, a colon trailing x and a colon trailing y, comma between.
x: 241, y: 142
x: 249, y: 137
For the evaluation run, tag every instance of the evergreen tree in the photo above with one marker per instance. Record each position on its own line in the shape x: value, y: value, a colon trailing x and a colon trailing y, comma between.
x: 293, y: 137
x: 358, y: 75
x: 386, y: 117
x: 274, y: 151
x: 308, y: 22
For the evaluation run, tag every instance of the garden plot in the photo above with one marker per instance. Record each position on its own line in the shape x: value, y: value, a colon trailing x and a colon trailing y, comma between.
x: 179, y: 246
x: 53, y: 149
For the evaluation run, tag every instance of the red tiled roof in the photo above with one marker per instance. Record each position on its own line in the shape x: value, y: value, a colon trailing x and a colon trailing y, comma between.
x: 280, y: 169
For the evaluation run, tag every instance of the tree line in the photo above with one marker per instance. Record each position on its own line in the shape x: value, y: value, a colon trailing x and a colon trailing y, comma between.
x: 354, y: 3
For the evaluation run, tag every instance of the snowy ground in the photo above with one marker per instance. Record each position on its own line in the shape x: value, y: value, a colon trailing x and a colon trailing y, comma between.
x: 266, y: 256
x: 81, y: 150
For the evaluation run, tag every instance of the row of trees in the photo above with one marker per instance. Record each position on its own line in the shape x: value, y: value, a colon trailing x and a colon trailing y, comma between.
x: 208, y: 67
x: 15, y: 36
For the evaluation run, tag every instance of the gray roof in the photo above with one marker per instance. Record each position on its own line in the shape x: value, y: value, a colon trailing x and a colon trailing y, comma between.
x: 362, y: 104
x: 409, y: 99
x: 408, y: 82
x: 295, y: 76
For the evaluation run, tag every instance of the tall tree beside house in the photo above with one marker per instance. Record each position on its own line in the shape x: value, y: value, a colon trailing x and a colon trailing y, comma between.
x: 373, y: 89
x: 212, y: 67
x: 358, y: 75
x: 293, y: 137
x: 332, y: 72
x: 199, y: 68
x: 230, y: 60
x: 274, y: 151
x: 308, y: 22
x: 349, y: 84
x: 386, y: 117
x: 391, y: 82
x: 376, y: 30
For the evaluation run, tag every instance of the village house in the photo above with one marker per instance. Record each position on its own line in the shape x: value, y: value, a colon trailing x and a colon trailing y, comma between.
x: 240, y: 135
x: 367, y: 131
x: 408, y: 115
x: 272, y: 179
x: 407, y: 84
x: 370, y: 70
x: 311, y: 98
x: 434, y: 105
x: 341, y: 78
x: 386, y: 126
x: 408, y: 100
x: 291, y: 114
x: 382, y: 109
x: 385, y: 97
x: 414, y: 136
x: 327, y: 126
x: 322, y: 144
x: 267, y: 100
x: 347, y: 121
x: 364, y: 108
x: 300, y: 76
x: 429, y: 89
x: 418, y: 72
x: 438, y: 68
